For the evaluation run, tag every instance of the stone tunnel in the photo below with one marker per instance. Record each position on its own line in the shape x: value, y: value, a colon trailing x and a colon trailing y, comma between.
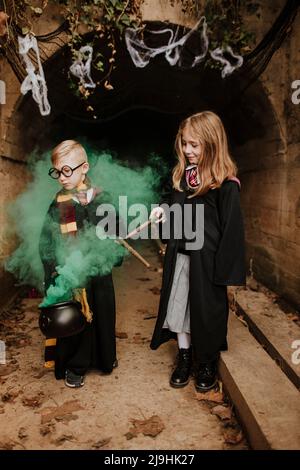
x: 141, y: 116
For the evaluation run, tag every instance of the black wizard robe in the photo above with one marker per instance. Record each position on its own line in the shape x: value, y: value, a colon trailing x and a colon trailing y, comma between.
x: 95, y: 347
x: 219, y: 263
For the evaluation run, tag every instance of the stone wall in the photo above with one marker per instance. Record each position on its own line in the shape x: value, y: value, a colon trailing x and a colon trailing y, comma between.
x: 270, y: 173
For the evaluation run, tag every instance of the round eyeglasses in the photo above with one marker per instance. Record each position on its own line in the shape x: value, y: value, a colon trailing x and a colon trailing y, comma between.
x: 66, y: 170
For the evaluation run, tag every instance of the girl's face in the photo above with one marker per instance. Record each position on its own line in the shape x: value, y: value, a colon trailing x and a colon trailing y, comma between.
x: 192, y: 148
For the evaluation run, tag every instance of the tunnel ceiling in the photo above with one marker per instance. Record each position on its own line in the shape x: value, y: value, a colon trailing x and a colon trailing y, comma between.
x: 159, y: 87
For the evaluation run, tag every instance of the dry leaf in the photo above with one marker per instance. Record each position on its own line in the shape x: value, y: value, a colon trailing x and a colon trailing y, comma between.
x: 221, y: 411
x: 34, y: 402
x: 22, y: 434
x: 149, y: 427
x: 292, y: 316
x: 41, y: 374
x: 7, y: 445
x: 9, y: 397
x: 8, y: 369
x: 66, y: 418
x: 232, y: 433
x: 47, y: 414
x: 101, y: 443
x: 121, y: 335
x: 47, y: 428
x: 155, y: 290
x: 64, y: 437
x: 211, y: 395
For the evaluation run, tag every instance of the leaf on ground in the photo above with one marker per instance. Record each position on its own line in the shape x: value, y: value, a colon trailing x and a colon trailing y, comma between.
x: 101, y: 443
x: 121, y: 335
x: 232, y: 433
x: 9, y: 397
x: 7, y: 444
x: 130, y: 435
x: 66, y: 418
x: 47, y: 414
x: 63, y: 438
x: 8, y: 369
x: 35, y: 401
x: 223, y: 412
x: 292, y: 316
x: 138, y: 339
x: 149, y: 427
x: 211, y: 395
x: 22, y: 434
x: 41, y: 374
x: 155, y: 290
x: 46, y: 429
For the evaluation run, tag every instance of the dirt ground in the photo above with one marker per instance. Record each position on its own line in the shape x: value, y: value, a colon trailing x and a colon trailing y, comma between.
x: 132, y: 408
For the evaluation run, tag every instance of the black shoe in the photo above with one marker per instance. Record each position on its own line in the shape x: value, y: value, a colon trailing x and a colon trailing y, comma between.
x: 181, y: 375
x: 206, y: 377
x: 73, y: 380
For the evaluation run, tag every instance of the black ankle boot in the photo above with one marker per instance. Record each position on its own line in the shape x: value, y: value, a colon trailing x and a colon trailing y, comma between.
x: 181, y: 374
x: 206, y: 377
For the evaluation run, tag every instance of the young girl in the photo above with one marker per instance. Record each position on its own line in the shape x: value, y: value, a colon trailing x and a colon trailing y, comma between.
x: 193, y: 306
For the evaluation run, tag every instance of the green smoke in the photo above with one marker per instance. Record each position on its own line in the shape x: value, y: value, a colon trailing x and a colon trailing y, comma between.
x: 87, y: 256
x: 84, y: 256
x: 27, y: 214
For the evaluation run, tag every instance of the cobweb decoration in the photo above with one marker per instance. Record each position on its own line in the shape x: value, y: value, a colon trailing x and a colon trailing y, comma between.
x: 141, y: 54
x: 81, y: 67
x: 35, y: 79
x: 218, y: 55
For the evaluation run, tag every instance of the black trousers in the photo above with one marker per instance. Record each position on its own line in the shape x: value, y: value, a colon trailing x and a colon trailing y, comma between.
x: 95, y: 346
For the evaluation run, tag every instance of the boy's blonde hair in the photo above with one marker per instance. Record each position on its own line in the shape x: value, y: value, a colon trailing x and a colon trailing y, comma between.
x: 65, y: 148
x: 215, y: 163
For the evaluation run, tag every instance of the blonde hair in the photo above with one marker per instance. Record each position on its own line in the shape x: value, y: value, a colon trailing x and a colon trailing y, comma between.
x: 215, y: 163
x: 65, y: 148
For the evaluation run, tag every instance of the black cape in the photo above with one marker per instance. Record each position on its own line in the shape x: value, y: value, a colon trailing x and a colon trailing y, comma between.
x: 95, y: 347
x: 219, y: 263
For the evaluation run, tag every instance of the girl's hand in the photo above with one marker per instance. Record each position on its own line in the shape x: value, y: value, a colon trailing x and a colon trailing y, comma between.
x: 158, y: 215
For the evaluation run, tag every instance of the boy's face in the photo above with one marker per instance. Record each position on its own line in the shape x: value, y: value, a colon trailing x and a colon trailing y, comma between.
x: 78, y: 175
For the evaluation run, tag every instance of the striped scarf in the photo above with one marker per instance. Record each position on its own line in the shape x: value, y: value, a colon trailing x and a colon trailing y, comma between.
x: 68, y: 227
x: 192, y: 177
x: 193, y: 180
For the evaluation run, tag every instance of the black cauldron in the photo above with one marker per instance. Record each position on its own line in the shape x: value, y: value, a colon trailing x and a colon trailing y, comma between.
x: 62, y: 319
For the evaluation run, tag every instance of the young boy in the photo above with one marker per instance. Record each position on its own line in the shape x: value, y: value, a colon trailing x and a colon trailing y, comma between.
x: 74, y: 206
